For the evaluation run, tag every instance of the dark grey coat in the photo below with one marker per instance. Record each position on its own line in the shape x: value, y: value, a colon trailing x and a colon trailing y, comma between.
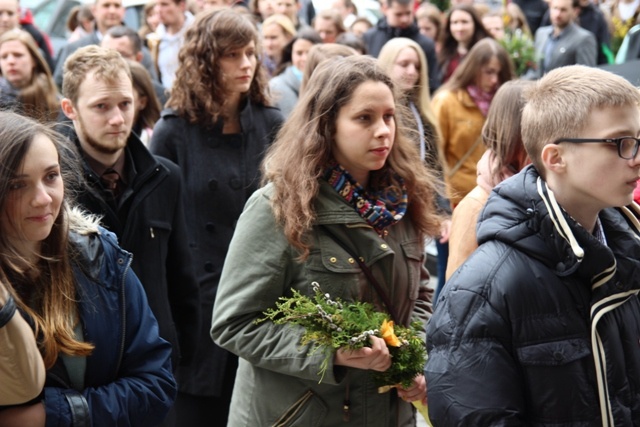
x: 219, y: 176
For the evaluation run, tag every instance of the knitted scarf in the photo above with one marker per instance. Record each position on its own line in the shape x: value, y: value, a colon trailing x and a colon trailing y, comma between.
x: 481, y: 98
x: 379, y: 209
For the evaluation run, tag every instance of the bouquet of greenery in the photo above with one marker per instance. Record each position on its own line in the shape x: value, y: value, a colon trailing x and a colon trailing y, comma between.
x: 521, y: 49
x: 332, y: 324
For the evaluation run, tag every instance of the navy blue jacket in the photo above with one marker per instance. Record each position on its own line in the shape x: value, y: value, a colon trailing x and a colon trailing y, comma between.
x: 128, y: 379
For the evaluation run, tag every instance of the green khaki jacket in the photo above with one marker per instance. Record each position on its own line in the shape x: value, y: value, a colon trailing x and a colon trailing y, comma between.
x: 277, y: 382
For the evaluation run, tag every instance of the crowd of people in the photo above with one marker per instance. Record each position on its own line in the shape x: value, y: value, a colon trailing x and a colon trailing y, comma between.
x: 162, y: 187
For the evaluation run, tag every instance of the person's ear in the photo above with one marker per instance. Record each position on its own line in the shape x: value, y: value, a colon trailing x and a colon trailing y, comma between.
x: 68, y: 109
x: 142, y: 102
x: 139, y: 57
x: 553, y: 158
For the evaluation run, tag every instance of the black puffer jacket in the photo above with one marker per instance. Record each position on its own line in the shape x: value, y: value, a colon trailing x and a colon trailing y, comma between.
x: 541, y: 325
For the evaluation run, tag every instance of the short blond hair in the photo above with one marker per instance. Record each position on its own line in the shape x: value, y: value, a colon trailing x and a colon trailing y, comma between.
x: 559, y: 104
x: 107, y: 64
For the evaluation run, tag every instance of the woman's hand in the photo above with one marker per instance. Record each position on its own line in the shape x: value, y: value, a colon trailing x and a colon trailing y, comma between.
x: 417, y: 391
x: 23, y: 416
x: 375, y: 358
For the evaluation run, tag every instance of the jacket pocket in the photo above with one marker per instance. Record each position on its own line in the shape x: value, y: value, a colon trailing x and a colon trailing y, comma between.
x: 559, y: 371
x: 553, y: 353
x: 308, y: 410
x: 414, y: 254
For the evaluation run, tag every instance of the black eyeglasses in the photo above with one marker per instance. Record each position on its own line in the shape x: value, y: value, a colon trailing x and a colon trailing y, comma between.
x: 627, y: 145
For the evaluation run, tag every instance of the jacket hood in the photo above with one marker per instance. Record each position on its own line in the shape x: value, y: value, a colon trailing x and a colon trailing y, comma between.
x: 83, y: 222
x: 522, y: 212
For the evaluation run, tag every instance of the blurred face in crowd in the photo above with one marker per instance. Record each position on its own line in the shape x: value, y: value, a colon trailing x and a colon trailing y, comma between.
x: 171, y: 12
x: 16, y: 63
x: 427, y: 28
x: 326, y: 28
x: 299, y: 52
x: 286, y: 7
x: 274, y: 38
x: 123, y: 45
x: 561, y: 13
x: 461, y: 26
x: 398, y: 15
x: 488, y: 79
x: 265, y: 8
x: 359, y: 28
x: 108, y: 13
x: 153, y: 18
x: 9, y: 15
x: 343, y: 10
x: 406, y: 69
x: 494, y: 25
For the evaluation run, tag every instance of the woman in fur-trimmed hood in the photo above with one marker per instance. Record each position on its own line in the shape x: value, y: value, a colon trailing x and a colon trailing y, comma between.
x: 105, y: 362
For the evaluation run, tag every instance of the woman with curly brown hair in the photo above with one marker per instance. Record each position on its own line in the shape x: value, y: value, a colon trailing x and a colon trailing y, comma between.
x: 216, y: 127
x: 345, y: 183
x: 26, y: 85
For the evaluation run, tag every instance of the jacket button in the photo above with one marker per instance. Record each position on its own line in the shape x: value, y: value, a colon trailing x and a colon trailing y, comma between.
x: 384, y: 246
x: 333, y: 259
x: 210, y: 227
x: 558, y: 356
x: 235, y: 183
x: 208, y: 267
x: 351, y: 260
x: 213, y: 185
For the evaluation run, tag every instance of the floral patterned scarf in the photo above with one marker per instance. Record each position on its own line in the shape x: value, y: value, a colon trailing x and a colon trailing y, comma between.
x: 379, y: 209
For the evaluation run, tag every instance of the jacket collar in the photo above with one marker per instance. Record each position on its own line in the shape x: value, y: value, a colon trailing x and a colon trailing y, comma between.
x: 523, y: 213
x: 410, y: 32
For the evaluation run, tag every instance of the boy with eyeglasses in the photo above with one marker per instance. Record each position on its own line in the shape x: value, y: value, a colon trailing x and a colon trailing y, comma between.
x: 541, y: 325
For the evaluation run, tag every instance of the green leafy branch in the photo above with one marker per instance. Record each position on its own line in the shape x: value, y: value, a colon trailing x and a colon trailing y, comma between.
x: 332, y: 324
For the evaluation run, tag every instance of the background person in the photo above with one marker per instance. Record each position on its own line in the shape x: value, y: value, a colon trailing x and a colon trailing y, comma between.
x: 462, y: 30
x: 26, y: 84
x: 216, y: 127
x: 285, y: 85
x: 505, y: 156
x: 466, y: 98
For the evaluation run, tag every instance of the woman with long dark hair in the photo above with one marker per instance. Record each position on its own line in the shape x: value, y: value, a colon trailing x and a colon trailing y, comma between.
x: 216, y: 127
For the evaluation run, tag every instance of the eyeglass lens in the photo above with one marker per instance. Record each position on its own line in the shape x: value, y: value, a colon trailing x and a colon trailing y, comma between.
x: 628, y: 148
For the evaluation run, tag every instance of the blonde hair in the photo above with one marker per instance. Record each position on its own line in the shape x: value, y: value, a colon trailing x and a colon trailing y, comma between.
x: 560, y: 104
x: 283, y: 21
x: 420, y: 93
x: 304, y: 148
x: 107, y: 64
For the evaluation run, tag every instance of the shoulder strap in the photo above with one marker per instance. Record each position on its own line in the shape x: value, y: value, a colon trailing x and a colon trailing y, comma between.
x: 466, y: 155
x: 367, y: 272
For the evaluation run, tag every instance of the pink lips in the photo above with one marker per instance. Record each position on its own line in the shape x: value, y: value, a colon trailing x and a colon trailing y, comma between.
x: 42, y: 218
x: 380, y: 151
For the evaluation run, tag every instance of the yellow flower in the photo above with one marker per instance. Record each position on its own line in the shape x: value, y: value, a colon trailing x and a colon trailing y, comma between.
x: 388, y: 335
